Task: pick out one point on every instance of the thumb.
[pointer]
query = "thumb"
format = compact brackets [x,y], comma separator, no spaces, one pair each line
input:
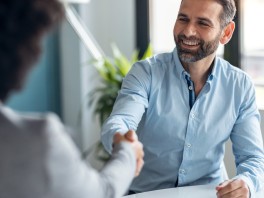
[223,184]
[131,136]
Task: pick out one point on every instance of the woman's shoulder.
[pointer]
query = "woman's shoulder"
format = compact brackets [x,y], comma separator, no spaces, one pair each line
[24,121]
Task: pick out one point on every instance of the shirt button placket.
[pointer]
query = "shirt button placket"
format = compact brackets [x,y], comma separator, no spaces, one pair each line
[182,171]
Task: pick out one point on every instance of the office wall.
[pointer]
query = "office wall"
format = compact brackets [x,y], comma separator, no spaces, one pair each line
[41,92]
[108,21]
[229,158]
[262,121]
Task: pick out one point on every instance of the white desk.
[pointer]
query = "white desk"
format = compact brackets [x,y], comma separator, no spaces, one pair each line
[204,191]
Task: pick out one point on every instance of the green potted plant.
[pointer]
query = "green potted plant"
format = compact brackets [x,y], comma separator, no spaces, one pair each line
[112,71]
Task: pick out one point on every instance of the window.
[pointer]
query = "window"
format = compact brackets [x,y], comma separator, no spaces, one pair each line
[162,16]
[253,44]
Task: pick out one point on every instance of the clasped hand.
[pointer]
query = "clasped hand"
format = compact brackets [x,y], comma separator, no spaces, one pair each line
[131,137]
[233,189]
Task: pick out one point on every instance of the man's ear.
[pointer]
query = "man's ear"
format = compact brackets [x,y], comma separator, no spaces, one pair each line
[227,33]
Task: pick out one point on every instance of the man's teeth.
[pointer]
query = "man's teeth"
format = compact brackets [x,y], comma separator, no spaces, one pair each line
[192,43]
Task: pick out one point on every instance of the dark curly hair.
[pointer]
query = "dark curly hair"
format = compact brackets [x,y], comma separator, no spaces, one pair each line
[22,26]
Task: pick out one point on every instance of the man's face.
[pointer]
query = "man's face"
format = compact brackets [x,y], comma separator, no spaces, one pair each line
[197,29]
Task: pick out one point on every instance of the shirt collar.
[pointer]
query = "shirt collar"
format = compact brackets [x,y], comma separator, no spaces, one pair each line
[213,72]
[181,71]
[179,68]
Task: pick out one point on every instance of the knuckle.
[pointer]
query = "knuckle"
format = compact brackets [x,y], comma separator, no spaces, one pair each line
[245,190]
[233,194]
[232,185]
[245,186]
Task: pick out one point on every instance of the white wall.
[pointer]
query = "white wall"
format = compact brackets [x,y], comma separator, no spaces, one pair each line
[112,21]
[262,121]
[70,79]
[229,158]
[108,21]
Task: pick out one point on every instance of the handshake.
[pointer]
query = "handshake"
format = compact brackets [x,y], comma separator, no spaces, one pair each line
[131,138]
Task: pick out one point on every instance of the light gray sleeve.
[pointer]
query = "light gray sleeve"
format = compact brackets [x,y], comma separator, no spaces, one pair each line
[70,177]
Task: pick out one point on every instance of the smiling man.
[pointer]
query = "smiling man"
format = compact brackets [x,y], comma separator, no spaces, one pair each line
[186,104]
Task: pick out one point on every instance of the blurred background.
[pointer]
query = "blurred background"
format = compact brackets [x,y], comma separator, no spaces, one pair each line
[66,75]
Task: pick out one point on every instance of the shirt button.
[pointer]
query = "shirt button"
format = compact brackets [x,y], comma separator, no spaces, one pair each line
[190,88]
[182,171]
[189,145]
[193,115]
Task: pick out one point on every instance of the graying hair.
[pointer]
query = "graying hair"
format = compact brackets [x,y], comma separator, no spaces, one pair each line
[228,13]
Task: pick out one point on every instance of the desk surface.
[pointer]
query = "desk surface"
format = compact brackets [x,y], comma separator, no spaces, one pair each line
[184,192]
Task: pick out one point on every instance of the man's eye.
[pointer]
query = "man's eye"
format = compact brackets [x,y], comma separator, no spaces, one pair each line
[183,19]
[202,23]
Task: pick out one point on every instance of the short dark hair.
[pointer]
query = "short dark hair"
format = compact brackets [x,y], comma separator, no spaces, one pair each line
[22,26]
[228,13]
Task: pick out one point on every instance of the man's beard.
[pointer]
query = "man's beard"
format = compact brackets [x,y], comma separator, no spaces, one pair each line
[205,48]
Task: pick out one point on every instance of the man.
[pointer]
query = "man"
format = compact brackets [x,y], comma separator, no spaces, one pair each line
[38,159]
[186,104]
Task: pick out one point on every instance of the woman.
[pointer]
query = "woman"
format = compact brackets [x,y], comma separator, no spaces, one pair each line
[38,159]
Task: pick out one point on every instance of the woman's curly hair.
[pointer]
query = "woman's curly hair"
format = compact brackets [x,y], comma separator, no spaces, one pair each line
[22,26]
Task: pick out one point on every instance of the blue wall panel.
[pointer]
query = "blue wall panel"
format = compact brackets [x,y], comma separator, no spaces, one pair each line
[41,92]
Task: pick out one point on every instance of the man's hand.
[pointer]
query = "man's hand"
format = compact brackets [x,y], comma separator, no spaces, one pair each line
[137,146]
[233,189]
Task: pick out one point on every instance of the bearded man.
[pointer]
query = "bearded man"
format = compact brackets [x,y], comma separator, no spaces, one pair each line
[186,104]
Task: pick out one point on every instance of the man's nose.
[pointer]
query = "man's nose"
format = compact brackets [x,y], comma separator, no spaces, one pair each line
[190,30]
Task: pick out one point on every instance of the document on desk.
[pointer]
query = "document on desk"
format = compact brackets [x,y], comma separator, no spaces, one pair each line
[179,192]
[202,191]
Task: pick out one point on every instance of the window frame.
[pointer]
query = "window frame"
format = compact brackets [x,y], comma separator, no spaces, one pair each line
[142,26]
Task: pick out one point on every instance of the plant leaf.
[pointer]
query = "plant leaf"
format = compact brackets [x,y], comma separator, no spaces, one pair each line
[148,53]
[122,63]
[135,56]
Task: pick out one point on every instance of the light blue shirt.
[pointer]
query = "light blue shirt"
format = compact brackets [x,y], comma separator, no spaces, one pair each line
[186,143]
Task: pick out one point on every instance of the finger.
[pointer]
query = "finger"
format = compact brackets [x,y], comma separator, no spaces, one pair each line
[224,184]
[140,161]
[240,192]
[139,152]
[131,135]
[117,138]
[140,164]
[233,189]
[142,151]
